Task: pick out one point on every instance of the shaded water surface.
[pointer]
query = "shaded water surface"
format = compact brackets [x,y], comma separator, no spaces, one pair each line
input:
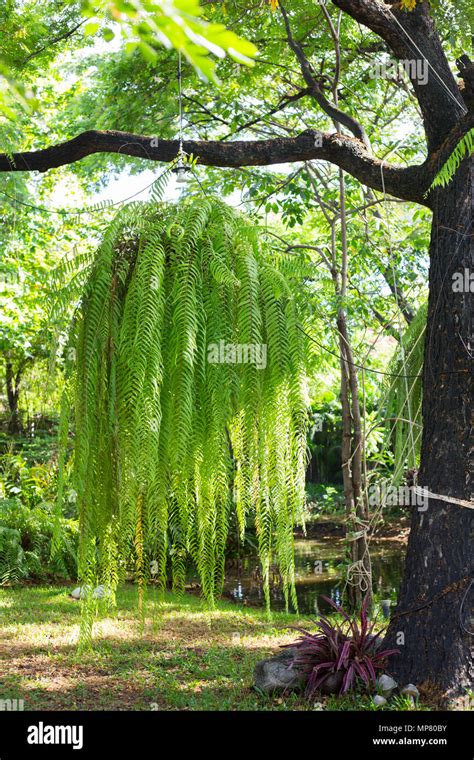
[320,569]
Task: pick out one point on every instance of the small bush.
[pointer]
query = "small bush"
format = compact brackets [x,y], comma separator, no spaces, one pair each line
[339,655]
[25,543]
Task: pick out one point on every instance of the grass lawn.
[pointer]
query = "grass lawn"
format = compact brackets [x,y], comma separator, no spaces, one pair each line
[187,658]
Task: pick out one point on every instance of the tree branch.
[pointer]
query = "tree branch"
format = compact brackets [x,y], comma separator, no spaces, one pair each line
[412,36]
[60,38]
[407,183]
[315,90]
[284,102]
[397,293]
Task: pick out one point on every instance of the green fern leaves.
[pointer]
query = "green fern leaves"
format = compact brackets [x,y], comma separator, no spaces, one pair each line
[464,148]
[404,396]
[189,398]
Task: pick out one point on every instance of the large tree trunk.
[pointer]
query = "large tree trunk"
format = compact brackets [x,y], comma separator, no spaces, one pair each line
[436,650]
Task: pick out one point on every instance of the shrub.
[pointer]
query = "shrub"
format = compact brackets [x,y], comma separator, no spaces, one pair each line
[339,655]
[25,543]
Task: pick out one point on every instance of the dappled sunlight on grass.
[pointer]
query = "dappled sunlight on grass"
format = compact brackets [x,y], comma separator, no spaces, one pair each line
[185,657]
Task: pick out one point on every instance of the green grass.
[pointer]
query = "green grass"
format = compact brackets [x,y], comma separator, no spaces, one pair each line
[185,658]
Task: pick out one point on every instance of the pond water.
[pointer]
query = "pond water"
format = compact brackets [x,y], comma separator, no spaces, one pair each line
[319,572]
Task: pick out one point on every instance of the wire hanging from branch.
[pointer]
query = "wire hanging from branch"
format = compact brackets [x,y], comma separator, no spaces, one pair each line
[182,165]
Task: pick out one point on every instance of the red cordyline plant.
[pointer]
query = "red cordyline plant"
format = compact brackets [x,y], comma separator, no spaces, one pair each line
[339,654]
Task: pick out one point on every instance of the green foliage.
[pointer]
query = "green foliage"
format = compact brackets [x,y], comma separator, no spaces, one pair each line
[28,30]
[404,396]
[21,481]
[13,95]
[464,148]
[324,500]
[168,438]
[178,24]
[31,245]
[26,472]
[25,543]
[408,5]
[34,450]
[28,485]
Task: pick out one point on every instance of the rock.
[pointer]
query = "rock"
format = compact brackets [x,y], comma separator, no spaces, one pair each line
[98,593]
[332,683]
[385,685]
[277,674]
[410,690]
[379,700]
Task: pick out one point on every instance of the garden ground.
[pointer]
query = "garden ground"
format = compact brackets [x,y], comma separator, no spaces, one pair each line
[186,658]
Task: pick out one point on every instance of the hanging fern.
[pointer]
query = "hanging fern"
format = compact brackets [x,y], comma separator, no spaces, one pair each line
[168,438]
[404,396]
[464,148]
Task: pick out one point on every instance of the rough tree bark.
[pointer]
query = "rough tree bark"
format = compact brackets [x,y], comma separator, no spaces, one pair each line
[437,651]
[436,648]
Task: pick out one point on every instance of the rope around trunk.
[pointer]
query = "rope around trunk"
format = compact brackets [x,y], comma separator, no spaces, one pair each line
[420,491]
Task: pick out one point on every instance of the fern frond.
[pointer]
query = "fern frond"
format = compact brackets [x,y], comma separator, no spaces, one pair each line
[188,392]
[404,396]
[464,148]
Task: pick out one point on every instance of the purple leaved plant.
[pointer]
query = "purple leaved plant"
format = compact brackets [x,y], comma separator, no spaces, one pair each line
[339,655]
